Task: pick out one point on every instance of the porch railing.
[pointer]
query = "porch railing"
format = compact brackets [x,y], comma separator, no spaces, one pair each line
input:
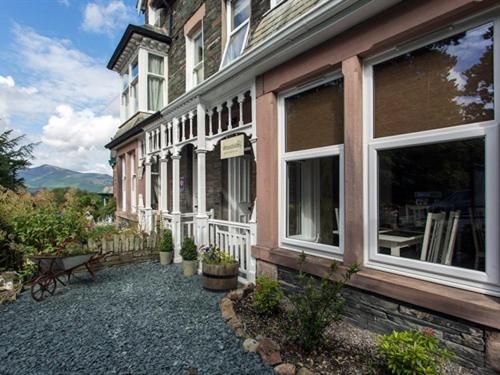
[187,225]
[232,238]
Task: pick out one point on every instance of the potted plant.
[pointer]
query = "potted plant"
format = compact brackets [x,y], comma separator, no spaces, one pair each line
[220,270]
[166,248]
[189,257]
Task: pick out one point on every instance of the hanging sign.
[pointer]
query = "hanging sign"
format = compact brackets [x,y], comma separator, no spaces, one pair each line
[232,147]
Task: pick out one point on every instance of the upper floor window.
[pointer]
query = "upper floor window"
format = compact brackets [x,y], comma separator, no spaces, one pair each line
[134,70]
[194,59]
[156,82]
[238,15]
[276,3]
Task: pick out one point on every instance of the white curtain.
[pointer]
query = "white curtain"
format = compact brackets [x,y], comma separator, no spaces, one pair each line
[155,64]
[155,93]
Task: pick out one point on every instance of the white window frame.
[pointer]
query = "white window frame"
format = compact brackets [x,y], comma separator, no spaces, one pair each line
[484,282]
[133,182]
[124,182]
[275,3]
[162,77]
[312,248]
[191,68]
[230,32]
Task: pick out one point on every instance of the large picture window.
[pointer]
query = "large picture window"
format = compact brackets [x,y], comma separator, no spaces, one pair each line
[312,168]
[433,160]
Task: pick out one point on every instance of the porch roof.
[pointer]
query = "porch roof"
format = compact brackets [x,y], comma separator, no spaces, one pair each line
[132,127]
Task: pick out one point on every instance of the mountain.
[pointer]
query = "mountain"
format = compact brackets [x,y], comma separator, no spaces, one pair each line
[49,176]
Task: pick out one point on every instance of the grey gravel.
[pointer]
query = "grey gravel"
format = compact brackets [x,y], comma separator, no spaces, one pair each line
[135,319]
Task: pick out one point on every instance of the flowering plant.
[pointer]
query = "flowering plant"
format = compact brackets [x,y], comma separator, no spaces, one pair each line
[213,255]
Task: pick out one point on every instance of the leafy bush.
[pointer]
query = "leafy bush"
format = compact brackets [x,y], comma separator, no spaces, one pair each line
[316,305]
[166,243]
[103,231]
[213,255]
[413,353]
[188,250]
[268,294]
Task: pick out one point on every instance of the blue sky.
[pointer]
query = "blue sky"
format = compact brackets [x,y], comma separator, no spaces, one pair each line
[54,85]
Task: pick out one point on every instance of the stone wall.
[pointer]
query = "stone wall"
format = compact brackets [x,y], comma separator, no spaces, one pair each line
[212,35]
[472,344]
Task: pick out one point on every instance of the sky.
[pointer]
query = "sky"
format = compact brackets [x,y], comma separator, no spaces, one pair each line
[54,85]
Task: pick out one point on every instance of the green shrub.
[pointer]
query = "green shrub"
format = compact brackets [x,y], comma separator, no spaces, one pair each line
[166,243]
[316,304]
[103,231]
[214,255]
[188,250]
[268,294]
[413,353]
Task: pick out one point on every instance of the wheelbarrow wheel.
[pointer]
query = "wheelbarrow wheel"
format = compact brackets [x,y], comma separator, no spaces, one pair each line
[42,288]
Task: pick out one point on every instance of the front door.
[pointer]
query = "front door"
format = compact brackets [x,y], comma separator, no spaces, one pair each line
[239,201]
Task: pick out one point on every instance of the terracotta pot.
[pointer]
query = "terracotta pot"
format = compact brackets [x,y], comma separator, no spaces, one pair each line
[190,267]
[220,277]
[166,257]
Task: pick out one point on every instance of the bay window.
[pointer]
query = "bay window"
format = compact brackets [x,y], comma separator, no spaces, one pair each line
[311,168]
[432,171]
[156,82]
[133,183]
[238,15]
[124,183]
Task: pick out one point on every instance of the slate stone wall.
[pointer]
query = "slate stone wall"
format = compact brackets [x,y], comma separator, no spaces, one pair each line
[212,35]
[382,315]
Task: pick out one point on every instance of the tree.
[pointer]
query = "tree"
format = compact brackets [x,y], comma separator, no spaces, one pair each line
[14,157]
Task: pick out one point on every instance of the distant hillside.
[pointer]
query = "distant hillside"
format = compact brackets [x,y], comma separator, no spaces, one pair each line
[49,176]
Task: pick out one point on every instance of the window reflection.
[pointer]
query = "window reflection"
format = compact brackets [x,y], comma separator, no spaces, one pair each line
[443,84]
[313,200]
[431,203]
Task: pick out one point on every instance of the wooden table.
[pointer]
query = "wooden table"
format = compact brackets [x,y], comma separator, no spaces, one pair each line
[395,240]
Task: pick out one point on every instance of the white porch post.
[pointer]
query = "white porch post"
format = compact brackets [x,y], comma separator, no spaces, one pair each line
[201,151]
[163,183]
[147,209]
[252,263]
[176,214]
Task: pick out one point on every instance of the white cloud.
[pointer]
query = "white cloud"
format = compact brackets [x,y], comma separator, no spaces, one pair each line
[64,2]
[64,73]
[106,18]
[76,139]
[7,81]
[68,91]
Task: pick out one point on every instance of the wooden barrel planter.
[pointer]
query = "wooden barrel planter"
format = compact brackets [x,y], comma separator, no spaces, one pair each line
[220,277]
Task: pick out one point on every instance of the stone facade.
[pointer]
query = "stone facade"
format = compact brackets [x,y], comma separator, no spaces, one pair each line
[469,342]
[212,38]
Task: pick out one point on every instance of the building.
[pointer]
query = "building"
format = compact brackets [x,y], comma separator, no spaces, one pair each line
[356,131]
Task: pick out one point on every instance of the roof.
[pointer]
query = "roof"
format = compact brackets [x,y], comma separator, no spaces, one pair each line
[145,30]
[277,18]
[132,127]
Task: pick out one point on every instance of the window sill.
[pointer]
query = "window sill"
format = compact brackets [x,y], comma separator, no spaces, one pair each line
[474,307]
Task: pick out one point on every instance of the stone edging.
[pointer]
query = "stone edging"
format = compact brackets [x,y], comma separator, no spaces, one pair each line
[268,349]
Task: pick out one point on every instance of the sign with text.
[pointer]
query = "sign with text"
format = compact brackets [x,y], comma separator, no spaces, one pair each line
[232,147]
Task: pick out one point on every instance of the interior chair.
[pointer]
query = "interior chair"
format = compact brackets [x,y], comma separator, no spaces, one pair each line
[435,248]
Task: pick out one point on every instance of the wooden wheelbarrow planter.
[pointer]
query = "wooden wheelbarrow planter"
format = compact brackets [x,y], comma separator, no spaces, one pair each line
[52,267]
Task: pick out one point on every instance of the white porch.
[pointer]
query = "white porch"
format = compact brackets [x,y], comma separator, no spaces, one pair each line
[190,189]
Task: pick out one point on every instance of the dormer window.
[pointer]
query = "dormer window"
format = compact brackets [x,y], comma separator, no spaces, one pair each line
[156,82]
[238,14]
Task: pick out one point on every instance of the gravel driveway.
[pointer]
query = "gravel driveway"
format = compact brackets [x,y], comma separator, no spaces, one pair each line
[136,319]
